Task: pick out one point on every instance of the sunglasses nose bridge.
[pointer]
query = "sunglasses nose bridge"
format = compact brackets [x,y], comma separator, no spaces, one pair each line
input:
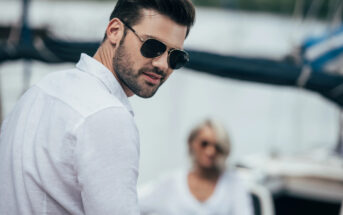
[161,61]
[210,150]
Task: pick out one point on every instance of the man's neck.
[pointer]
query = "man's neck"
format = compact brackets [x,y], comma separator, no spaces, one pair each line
[105,55]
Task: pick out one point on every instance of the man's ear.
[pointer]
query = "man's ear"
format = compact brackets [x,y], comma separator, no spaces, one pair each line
[115,31]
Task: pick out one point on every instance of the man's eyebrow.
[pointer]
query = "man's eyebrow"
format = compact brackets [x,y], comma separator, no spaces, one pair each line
[147,36]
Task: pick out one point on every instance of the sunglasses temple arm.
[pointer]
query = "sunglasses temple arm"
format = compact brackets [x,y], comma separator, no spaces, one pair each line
[133,30]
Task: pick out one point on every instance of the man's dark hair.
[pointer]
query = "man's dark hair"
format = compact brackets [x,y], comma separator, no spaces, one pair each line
[130,11]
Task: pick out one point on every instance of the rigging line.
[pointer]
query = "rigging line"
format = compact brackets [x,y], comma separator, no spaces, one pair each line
[298,20]
[15,32]
[310,15]
[333,5]
[1,102]
[298,9]
[339,146]
[17,29]
[298,13]
[304,76]
[337,91]
[314,9]
[27,74]
[337,16]
[44,51]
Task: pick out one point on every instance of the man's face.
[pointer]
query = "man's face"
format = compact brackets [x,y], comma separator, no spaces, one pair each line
[140,75]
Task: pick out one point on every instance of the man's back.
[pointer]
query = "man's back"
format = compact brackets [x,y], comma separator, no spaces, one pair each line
[50,142]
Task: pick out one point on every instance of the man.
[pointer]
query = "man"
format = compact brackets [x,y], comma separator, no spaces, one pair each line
[70,146]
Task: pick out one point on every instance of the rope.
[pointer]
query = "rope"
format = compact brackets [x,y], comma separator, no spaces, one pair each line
[304,76]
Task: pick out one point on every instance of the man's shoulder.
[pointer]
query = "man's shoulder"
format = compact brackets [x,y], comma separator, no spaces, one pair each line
[79,90]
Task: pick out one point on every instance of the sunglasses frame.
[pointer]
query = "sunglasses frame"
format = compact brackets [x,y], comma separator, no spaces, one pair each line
[205,144]
[170,51]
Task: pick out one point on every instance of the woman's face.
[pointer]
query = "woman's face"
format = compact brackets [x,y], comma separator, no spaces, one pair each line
[205,149]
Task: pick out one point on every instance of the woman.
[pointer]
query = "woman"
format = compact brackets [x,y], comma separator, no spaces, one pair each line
[207,188]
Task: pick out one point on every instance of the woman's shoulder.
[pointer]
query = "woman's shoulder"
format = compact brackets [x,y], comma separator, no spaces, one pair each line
[232,179]
[230,175]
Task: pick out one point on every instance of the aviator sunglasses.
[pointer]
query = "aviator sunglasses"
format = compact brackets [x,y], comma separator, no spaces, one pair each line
[205,143]
[152,48]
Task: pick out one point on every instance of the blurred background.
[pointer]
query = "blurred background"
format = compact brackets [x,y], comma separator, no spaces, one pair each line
[271,71]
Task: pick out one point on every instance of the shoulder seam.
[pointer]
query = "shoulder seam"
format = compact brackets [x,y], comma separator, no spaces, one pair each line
[81,114]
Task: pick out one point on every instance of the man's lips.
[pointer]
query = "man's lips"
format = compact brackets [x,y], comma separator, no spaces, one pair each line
[152,77]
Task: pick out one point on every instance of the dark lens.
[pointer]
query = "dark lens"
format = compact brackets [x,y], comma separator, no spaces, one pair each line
[204,143]
[152,48]
[177,59]
[219,149]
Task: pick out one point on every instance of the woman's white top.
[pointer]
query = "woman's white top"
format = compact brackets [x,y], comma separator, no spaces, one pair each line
[170,195]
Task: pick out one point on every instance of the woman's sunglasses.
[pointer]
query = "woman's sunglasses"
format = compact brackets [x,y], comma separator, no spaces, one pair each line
[152,48]
[205,143]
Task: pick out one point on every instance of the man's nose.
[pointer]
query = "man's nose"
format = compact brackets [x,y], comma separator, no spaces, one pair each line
[161,62]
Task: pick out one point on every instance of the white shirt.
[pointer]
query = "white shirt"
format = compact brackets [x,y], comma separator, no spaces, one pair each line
[170,195]
[70,146]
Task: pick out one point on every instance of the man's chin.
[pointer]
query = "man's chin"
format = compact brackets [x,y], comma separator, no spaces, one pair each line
[147,91]
[146,94]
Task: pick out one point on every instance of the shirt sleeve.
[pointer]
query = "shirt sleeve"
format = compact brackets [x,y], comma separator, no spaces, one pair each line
[106,157]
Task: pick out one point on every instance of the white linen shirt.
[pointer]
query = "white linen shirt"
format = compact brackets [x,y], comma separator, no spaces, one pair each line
[70,146]
[170,195]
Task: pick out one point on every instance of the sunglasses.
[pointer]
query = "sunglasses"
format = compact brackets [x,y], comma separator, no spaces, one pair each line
[205,143]
[152,48]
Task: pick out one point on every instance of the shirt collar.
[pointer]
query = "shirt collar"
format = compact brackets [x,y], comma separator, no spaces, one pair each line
[104,75]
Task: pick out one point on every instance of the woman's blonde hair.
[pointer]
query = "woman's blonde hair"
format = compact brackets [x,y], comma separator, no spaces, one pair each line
[220,131]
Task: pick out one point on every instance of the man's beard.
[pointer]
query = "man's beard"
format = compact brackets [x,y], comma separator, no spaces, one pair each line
[122,65]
